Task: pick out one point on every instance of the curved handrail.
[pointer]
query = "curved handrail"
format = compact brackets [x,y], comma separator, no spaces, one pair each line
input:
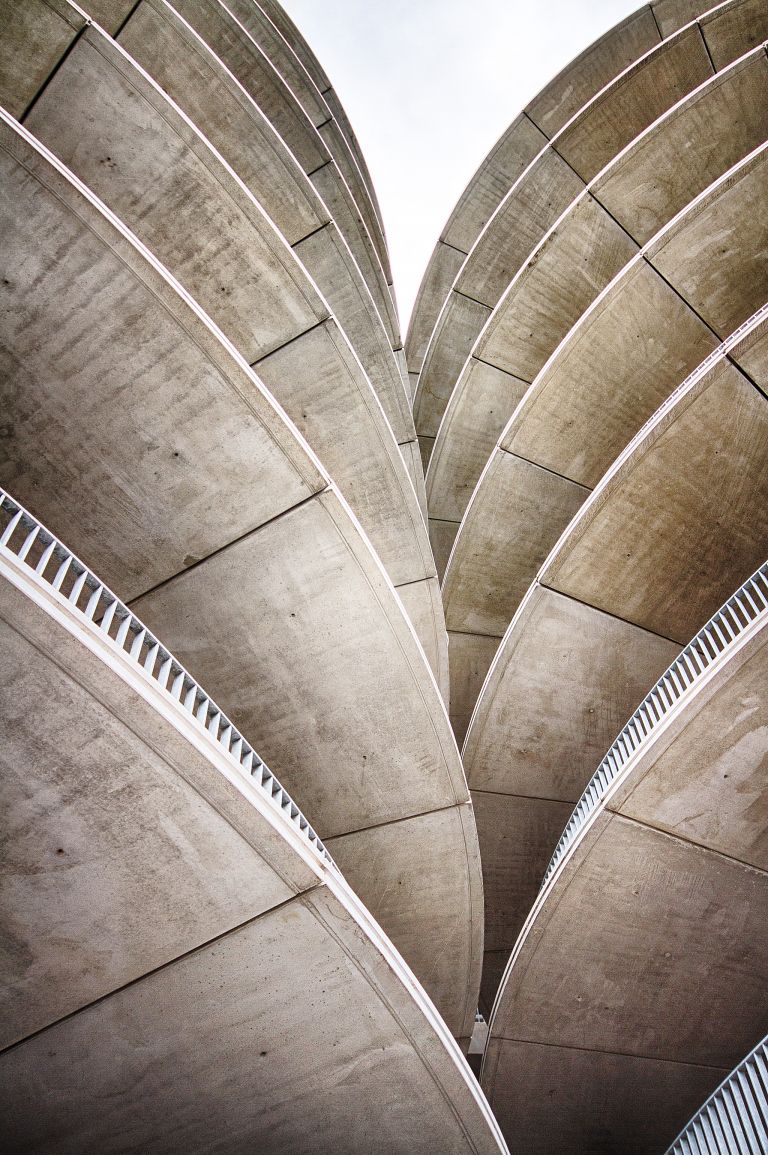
[25,538]
[742,610]
[735,1116]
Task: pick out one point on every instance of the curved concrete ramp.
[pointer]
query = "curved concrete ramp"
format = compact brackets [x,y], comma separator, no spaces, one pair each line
[558,174]
[675,160]
[680,519]
[694,283]
[143,437]
[190,967]
[640,977]
[121,135]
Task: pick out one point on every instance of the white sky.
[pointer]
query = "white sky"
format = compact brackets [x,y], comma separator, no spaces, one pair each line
[430,85]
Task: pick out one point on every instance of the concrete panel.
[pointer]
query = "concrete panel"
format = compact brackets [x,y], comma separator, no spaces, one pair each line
[516,839]
[412,458]
[594,1101]
[289,1004]
[330,186]
[91,115]
[562,277]
[675,962]
[253,70]
[457,326]
[241,273]
[479,408]
[320,385]
[494,964]
[592,70]
[114,864]
[566,679]
[440,274]
[343,695]
[425,448]
[625,108]
[417,899]
[631,349]
[708,784]
[712,130]
[672,15]
[424,608]
[697,485]
[442,535]
[532,206]
[506,161]
[135,430]
[331,265]
[36,35]
[733,29]
[718,258]
[643,189]
[194,78]
[470,659]
[497,555]
[751,354]
[186,69]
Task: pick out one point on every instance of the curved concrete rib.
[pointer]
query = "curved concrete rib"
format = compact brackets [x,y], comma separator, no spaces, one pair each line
[220,27]
[528,133]
[121,135]
[692,285]
[144,438]
[195,79]
[673,161]
[678,520]
[640,977]
[167,859]
[735,1117]
[293,36]
[558,174]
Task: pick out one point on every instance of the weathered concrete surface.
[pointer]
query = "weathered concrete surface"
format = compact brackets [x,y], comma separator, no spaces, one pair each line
[288,29]
[179,60]
[141,866]
[604,126]
[609,122]
[239,269]
[232,44]
[651,947]
[527,135]
[642,190]
[424,607]
[677,524]
[148,480]
[472,655]
[298,81]
[488,576]
[595,1102]
[629,351]
[565,680]
[704,470]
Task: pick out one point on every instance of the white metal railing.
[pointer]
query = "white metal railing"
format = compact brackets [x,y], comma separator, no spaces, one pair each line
[31,543]
[746,606]
[734,1119]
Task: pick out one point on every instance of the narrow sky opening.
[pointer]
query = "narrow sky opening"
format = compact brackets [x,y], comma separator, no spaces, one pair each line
[430,85]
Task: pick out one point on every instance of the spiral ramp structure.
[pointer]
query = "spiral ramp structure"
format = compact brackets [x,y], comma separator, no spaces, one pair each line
[263,566]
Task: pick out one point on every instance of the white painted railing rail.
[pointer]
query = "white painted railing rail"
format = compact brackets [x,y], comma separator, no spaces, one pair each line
[31,543]
[734,1119]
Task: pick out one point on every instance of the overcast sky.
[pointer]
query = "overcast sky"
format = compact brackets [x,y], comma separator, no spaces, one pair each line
[430,85]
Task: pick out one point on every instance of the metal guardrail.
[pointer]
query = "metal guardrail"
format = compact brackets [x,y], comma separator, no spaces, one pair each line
[31,543]
[734,1119]
[746,606]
